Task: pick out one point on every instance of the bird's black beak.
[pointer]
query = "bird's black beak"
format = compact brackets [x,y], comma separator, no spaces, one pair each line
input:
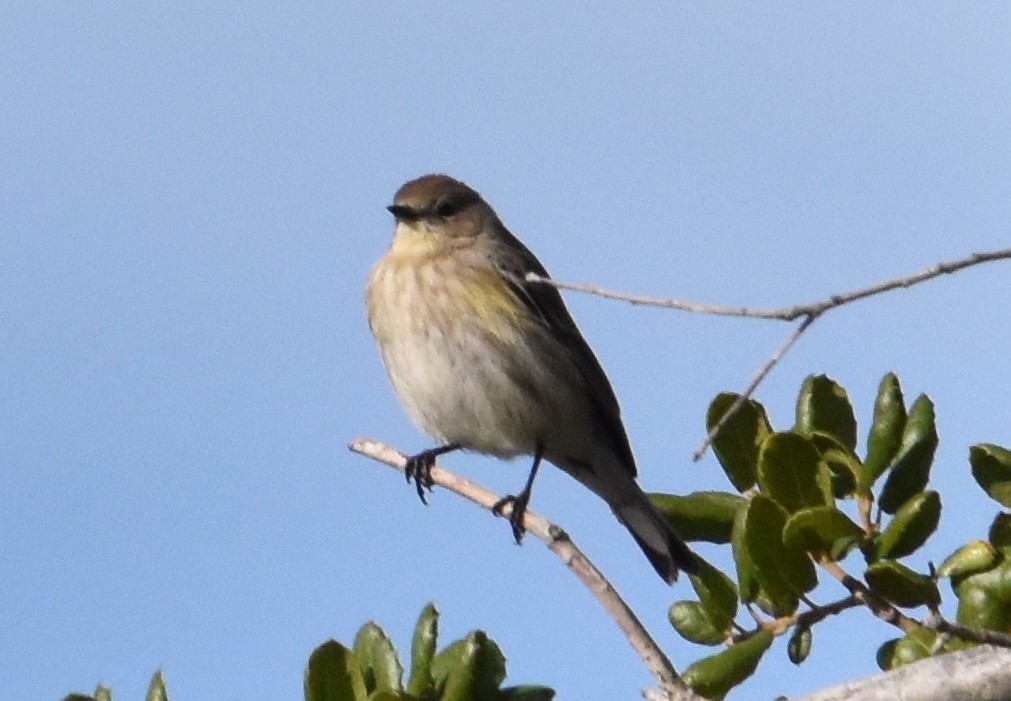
[402,213]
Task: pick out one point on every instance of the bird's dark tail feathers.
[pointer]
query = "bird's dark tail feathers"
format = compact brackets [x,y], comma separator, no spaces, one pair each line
[651,530]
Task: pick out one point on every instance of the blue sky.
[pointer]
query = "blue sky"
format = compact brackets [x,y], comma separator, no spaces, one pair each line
[192,197]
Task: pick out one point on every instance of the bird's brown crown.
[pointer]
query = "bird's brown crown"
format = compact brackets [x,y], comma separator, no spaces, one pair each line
[433,196]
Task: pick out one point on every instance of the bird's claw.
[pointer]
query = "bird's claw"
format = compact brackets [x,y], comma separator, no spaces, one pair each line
[419,468]
[518,508]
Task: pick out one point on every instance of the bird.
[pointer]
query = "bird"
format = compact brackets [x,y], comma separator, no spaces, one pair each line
[485,361]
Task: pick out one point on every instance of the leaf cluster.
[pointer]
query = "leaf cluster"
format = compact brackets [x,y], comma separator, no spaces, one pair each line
[805,497]
[470,669]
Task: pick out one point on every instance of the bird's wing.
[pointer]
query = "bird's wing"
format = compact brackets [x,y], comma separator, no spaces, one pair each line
[514,261]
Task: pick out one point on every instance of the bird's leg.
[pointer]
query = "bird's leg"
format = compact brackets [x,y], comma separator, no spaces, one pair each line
[520,501]
[419,467]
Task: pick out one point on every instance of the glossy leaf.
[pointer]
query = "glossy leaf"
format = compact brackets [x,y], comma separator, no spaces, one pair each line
[976,556]
[791,472]
[378,659]
[333,674]
[913,646]
[799,646]
[900,585]
[981,606]
[887,426]
[911,526]
[717,594]
[712,677]
[911,469]
[783,573]
[690,621]
[526,693]
[842,462]
[156,690]
[423,651]
[991,467]
[747,580]
[706,516]
[823,406]
[1000,533]
[472,668]
[886,654]
[817,529]
[738,442]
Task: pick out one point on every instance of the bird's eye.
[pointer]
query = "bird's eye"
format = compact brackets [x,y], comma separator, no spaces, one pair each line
[445,209]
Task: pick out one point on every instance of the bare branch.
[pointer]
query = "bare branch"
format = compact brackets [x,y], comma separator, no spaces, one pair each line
[878,606]
[752,386]
[787,313]
[558,541]
[936,622]
[809,312]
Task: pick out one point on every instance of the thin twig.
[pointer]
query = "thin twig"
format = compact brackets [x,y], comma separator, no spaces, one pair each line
[752,386]
[558,541]
[786,313]
[878,606]
[809,312]
[935,621]
[815,614]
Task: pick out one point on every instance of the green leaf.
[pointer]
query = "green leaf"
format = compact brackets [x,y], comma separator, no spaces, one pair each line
[690,621]
[378,659]
[900,585]
[526,693]
[915,645]
[912,525]
[885,435]
[156,689]
[975,556]
[1000,533]
[886,654]
[387,695]
[712,677]
[791,472]
[103,693]
[981,606]
[747,579]
[423,651]
[470,669]
[738,442]
[911,469]
[783,573]
[824,406]
[717,595]
[333,674]
[817,529]
[991,467]
[707,516]
[842,462]
[799,646]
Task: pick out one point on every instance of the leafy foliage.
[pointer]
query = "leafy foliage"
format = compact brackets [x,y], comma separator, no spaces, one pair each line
[805,497]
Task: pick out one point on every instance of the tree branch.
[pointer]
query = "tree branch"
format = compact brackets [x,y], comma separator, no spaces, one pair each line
[558,541]
[808,312]
[786,313]
[979,674]
[878,606]
[935,621]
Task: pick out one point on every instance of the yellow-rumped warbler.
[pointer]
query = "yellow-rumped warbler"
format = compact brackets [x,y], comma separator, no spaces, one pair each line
[483,360]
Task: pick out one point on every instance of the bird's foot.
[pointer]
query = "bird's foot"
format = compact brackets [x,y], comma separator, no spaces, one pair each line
[518,508]
[419,468]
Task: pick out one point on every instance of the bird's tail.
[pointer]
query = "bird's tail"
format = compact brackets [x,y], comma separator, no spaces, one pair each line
[662,546]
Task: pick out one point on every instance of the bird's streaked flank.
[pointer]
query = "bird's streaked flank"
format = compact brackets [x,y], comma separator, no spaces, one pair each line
[484,361]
